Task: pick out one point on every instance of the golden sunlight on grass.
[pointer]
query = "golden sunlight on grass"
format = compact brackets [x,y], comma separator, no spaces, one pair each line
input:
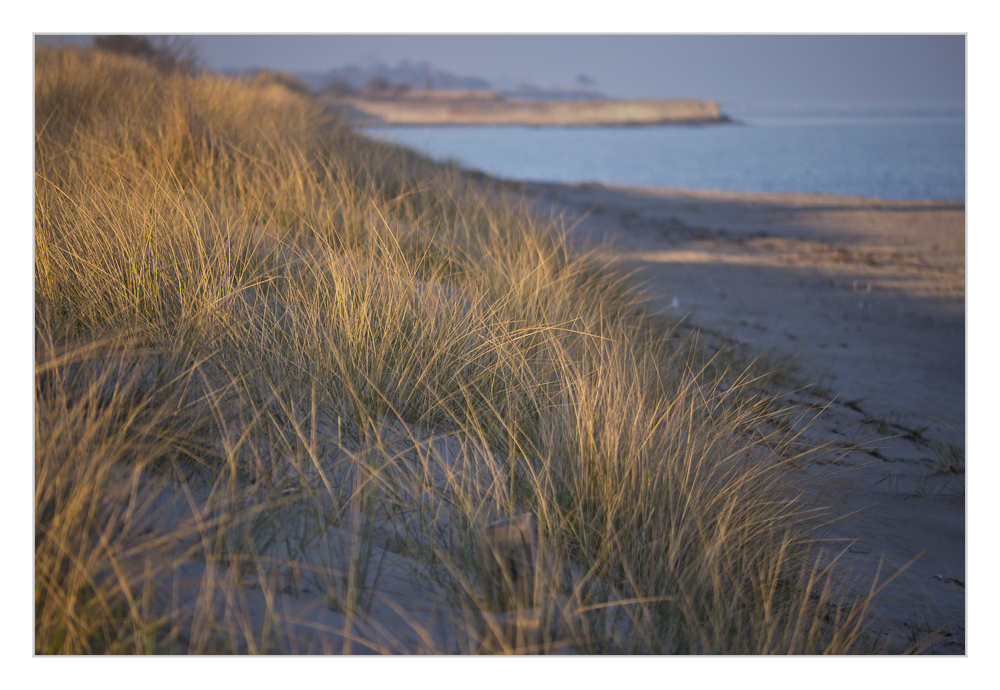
[284,376]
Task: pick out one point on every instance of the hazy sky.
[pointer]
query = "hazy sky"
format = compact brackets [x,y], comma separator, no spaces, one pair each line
[735,70]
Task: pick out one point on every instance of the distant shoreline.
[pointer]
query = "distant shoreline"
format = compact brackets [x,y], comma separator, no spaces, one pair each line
[723,120]
[487,108]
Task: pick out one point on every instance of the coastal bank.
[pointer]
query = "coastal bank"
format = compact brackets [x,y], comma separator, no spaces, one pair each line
[428,107]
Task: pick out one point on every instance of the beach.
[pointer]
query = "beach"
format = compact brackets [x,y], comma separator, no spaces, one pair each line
[867,298]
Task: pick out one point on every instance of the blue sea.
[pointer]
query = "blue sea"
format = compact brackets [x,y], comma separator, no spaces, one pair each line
[889,154]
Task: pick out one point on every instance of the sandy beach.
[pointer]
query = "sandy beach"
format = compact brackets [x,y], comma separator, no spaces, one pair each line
[868,298]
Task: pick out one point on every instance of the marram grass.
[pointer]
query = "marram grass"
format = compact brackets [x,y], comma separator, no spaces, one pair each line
[283,373]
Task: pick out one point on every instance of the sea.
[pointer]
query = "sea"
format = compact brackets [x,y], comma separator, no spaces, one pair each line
[908,154]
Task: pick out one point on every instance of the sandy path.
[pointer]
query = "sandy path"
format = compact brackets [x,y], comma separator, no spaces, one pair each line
[869,296]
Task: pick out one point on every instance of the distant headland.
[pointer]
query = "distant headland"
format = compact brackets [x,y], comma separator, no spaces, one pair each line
[417,95]
[485,107]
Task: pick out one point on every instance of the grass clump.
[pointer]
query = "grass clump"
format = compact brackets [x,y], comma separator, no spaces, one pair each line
[284,373]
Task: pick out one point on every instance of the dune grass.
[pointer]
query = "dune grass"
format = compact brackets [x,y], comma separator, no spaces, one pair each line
[285,373]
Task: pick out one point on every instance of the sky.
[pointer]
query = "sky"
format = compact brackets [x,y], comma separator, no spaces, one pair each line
[788,70]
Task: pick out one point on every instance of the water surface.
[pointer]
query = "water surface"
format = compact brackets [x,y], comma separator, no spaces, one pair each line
[890,155]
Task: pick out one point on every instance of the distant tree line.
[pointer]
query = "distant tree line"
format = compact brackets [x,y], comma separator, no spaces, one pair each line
[374,87]
[375,79]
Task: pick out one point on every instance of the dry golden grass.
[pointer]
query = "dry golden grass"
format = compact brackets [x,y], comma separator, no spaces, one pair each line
[283,373]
